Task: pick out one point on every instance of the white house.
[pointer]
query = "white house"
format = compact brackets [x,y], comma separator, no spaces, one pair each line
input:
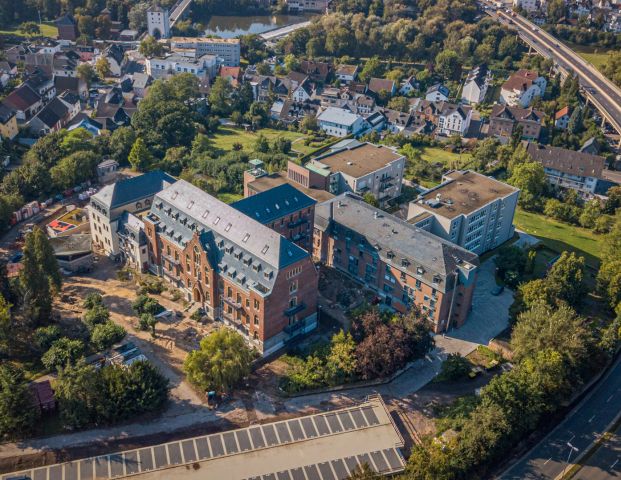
[205,66]
[346,73]
[476,85]
[527,5]
[339,122]
[521,88]
[454,119]
[437,93]
[303,92]
[561,118]
[408,85]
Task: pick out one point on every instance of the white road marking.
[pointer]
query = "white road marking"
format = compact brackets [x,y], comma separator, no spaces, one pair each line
[591,419]
[547,460]
[610,398]
[613,465]
[572,437]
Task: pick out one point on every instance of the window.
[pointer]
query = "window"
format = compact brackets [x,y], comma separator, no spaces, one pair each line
[256,320]
[229,292]
[256,304]
[293,302]
[247,303]
[293,286]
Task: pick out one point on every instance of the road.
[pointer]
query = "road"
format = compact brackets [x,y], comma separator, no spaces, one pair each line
[601,91]
[588,421]
[605,463]
[284,31]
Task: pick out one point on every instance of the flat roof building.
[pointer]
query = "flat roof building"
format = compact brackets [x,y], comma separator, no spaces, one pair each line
[469,209]
[228,49]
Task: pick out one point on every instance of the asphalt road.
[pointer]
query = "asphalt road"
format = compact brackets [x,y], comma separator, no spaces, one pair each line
[605,463]
[601,90]
[580,429]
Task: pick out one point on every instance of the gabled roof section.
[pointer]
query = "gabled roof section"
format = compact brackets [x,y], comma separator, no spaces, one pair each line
[133,189]
[275,203]
[234,227]
[22,98]
[53,112]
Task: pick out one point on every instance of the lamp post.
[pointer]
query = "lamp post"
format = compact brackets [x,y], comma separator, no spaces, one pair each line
[571,450]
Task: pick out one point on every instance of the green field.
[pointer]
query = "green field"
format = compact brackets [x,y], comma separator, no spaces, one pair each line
[560,236]
[227,136]
[229,197]
[446,158]
[597,56]
[48,29]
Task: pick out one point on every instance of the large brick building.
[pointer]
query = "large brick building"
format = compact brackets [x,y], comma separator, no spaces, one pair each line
[238,270]
[284,209]
[402,263]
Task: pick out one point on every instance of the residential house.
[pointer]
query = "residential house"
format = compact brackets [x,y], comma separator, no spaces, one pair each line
[291,112]
[408,86]
[561,118]
[141,83]
[107,207]
[284,209]
[396,121]
[476,85]
[8,122]
[568,169]
[504,120]
[521,88]
[469,209]
[453,119]
[303,92]
[51,118]
[437,93]
[238,270]
[359,168]
[527,5]
[405,265]
[377,85]
[75,85]
[8,71]
[67,28]
[42,84]
[204,66]
[24,101]
[346,73]
[339,122]
[115,55]
[316,71]
[231,74]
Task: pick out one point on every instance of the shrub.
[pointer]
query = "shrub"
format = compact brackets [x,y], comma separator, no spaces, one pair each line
[62,352]
[107,334]
[97,315]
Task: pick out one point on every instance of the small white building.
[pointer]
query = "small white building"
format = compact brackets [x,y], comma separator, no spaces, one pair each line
[205,66]
[454,119]
[158,22]
[527,5]
[476,85]
[339,122]
[346,73]
[437,93]
[522,88]
[409,85]
[561,118]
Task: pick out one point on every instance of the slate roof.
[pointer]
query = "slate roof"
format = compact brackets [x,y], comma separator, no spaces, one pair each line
[265,207]
[389,234]
[478,75]
[567,161]
[516,113]
[53,113]
[132,189]
[438,87]
[6,113]
[22,98]
[339,116]
[67,83]
[230,237]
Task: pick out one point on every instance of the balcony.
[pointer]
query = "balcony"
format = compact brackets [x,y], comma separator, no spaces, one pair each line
[232,303]
[296,328]
[295,309]
[298,222]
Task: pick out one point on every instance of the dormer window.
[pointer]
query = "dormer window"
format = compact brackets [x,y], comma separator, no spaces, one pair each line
[405,262]
[420,270]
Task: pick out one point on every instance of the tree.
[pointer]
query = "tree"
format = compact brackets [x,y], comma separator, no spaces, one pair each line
[401,104]
[222,360]
[566,281]
[102,67]
[77,392]
[530,178]
[104,335]
[44,337]
[92,300]
[309,124]
[150,47]
[341,361]
[590,214]
[148,322]
[575,121]
[40,277]
[447,64]
[556,10]
[146,304]
[510,264]
[455,367]
[485,152]
[86,72]
[6,324]
[74,169]
[30,29]
[97,315]
[137,16]
[292,64]
[261,144]
[140,157]
[17,413]
[372,69]
[370,199]
[121,143]
[609,275]
[556,329]
[63,351]
[220,96]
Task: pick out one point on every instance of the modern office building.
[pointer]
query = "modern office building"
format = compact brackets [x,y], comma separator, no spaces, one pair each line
[228,49]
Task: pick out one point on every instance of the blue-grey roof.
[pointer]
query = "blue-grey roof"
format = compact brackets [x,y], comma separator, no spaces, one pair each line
[277,202]
[133,189]
[236,243]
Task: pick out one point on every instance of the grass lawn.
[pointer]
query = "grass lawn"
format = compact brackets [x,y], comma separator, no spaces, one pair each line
[446,158]
[229,197]
[227,136]
[48,29]
[596,56]
[559,236]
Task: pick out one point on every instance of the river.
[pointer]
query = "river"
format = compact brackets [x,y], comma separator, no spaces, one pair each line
[229,26]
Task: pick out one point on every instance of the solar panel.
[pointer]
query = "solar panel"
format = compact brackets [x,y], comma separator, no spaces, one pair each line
[296,430]
[159,453]
[270,435]
[244,440]
[174,453]
[271,476]
[339,468]
[311,472]
[322,426]
[326,471]
[131,462]
[283,476]
[146,459]
[257,437]
[333,421]
[283,432]
[298,474]
[364,458]
[55,472]
[359,419]
[72,470]
[189,453]
[378,458]
[215,441]
[352,463]
[203,448]
[229,442]
[116,465]
[309,427]
[394,459]
[101,468]
[346,420]
[370,416]
[41,474]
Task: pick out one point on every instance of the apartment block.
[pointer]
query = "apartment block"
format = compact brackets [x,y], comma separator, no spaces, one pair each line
[469,209]
[404,264]
[204,66]
[284,209]
[228,49]
[238,270]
